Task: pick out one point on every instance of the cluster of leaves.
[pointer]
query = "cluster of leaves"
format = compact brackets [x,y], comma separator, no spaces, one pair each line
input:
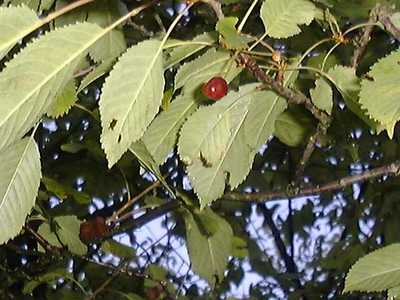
[217,142]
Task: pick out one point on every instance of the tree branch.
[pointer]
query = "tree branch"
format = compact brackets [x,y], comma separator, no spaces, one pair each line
[292,96]
[392,169]
[287,259]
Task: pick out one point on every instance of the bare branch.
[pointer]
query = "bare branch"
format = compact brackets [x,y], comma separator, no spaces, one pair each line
[392,169]
[291,95]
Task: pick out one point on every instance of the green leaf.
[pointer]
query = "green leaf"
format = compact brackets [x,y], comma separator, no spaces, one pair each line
[98,72]
[322,95]
[292,127]
[131,97]
[48,64]
[15,23]
[118,249]
[64,101]
[282,17]
[147,161]
[79,14]
[394,293]
[62,191]
[162,134]
[104,13]
[348,84]
[209,254]
[19,183]
[230,37]
[45,278]
[69,234]
[223,139]
[179,53]
[377,271]
[50,236]
[382,84]
[194,73]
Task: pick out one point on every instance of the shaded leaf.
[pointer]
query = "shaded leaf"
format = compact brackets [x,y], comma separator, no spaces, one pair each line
[292,128]
[69,234]
[147,161]
[98,72]
[118,249]
[209,253]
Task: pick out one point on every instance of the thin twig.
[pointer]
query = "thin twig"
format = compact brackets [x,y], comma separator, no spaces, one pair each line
[102,286]
[392,169]
[40,239]
[130,202]
[216,6]
[383,16]
[308,151]
[363,40]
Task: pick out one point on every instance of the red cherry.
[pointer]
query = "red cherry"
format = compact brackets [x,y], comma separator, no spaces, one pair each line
[93,229]
[215,88]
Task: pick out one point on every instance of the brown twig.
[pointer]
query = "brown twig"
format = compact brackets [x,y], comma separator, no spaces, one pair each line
[308,151]
[292,96]
[383,16]
[42,241]
[130,202]
[392,169]
[363,40]
[216,6]
[102,286]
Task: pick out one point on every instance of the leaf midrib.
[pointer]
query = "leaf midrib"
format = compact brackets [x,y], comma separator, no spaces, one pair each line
[55,72]
[22,157]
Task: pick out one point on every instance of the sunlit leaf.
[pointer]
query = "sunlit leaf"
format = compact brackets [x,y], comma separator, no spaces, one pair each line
[179,53]
[230,37]
[194,73]
[64,101]
[131,97]
[15,23]
[104,13]
[211,154]
[282,17]
[322,95]
[382,84]
[377,271]
[19,184]
[36,76]
[161,136]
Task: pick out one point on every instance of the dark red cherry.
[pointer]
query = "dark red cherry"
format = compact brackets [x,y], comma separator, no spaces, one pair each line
[215,88]
[93,229]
